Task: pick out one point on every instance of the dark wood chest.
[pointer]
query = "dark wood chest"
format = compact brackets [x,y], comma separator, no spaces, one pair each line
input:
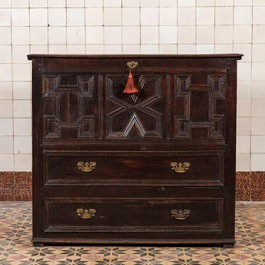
[152,167]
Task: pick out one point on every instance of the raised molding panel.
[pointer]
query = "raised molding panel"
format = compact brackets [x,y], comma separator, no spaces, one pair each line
[69,105]
[199,109]
[136,115]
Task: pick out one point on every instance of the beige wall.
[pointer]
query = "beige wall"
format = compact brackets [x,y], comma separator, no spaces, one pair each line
[130,26]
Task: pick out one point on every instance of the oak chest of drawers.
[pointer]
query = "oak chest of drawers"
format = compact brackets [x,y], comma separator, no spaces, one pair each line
[153,167]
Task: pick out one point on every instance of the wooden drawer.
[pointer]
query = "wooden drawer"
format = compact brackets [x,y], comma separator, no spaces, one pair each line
[112,168]
[195,216]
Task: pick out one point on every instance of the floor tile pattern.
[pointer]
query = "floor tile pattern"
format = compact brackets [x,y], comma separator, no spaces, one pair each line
[17,249]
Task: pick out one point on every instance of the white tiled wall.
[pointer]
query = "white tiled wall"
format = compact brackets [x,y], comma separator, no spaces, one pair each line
[130,26]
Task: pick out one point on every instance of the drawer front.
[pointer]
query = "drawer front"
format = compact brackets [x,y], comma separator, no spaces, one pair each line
[183,168]
[141,216]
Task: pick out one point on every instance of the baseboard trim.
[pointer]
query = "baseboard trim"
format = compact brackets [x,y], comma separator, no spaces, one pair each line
[16,186]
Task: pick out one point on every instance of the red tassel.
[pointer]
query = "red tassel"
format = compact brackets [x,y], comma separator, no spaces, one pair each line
[130,87]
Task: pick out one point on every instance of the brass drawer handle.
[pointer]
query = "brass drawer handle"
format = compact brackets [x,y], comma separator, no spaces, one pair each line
[85,213]
[86,167]
[180,215]
[180,167]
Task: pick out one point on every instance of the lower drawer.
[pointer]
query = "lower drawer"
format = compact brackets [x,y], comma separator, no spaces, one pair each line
[134,215]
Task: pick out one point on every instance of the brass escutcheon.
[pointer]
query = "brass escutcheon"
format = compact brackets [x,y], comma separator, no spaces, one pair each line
[180,215]
[86,167]
[86,213]
[132,64]
[179,167]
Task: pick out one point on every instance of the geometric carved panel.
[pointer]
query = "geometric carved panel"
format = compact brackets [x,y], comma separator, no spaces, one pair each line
[69,106]
[135,116]
[199,106]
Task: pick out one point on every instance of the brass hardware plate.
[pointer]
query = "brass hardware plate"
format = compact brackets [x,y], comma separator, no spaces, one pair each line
[86,213]
[86,166]
[180,215]
[132,64]
[180,167]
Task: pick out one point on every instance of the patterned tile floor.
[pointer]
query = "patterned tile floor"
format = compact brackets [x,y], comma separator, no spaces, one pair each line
[16,247]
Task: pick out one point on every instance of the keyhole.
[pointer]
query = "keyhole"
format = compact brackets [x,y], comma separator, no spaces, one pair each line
[85,87]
